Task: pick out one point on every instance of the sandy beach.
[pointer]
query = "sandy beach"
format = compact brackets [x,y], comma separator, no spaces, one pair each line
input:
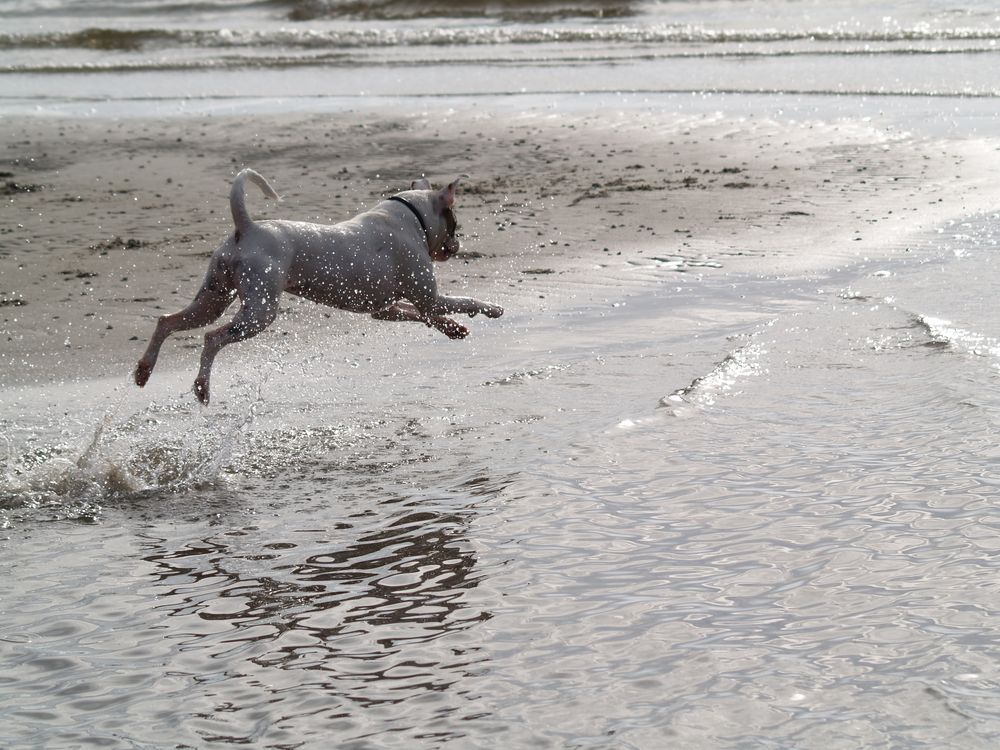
[108,223]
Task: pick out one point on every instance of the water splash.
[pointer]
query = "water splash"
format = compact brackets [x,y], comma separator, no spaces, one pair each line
[162,448]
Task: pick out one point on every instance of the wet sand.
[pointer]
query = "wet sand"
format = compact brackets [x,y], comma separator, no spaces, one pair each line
[107,224]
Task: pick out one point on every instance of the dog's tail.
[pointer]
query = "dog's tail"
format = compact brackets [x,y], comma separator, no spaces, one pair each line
[237,197]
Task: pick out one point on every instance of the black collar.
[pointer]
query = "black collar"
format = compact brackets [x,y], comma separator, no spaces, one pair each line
[415,212]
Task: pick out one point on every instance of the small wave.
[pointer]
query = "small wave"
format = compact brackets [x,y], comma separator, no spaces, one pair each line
[724,378]
[130,40]
[344,57]
[944,333]
[509,10]
[524,375]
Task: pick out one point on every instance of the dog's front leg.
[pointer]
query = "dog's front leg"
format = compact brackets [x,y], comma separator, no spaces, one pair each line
[442,305]
[405,312]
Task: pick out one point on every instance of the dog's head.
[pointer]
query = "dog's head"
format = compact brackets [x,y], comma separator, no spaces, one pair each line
[442,206]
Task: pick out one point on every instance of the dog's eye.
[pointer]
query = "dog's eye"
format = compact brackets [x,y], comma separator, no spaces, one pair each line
[449,217]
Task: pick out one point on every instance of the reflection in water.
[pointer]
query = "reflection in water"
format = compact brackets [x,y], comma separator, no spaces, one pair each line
[353,618]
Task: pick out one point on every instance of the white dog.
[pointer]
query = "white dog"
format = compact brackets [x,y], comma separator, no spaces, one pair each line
[367,264]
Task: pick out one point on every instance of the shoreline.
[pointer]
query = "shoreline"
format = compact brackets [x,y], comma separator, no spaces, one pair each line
[109,223]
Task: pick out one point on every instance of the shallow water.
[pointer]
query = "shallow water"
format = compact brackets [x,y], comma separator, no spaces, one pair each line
[777,532]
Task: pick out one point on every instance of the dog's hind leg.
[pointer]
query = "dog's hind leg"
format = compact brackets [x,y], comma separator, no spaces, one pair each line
[259,293]
[207,307]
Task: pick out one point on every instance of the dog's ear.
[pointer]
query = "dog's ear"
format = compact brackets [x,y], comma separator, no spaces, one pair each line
[448,193]
[422,184]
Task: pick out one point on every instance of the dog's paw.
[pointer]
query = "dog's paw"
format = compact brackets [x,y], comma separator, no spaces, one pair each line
[492,311]
[142,372]
[201,390]
[450,328]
